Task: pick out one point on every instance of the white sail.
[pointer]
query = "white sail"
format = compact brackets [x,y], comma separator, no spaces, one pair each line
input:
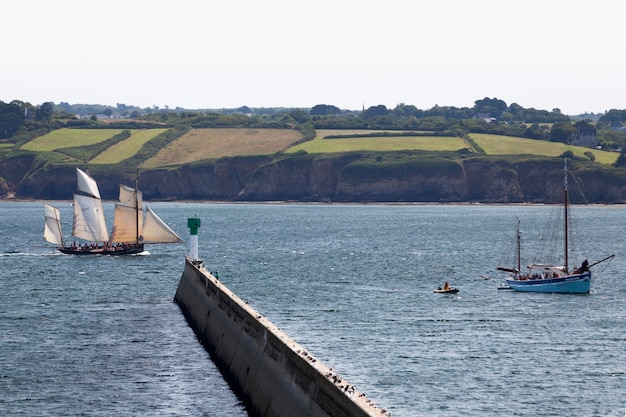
[130,196]
[87,185]
[128,217]
[156,231]
[127,225]
[52,227]
[89,223]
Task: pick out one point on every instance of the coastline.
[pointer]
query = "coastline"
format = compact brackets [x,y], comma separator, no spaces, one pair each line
[326,203]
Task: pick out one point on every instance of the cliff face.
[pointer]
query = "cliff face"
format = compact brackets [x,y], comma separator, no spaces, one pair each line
[439,181]
[222,180]
[12,171]
[339,178]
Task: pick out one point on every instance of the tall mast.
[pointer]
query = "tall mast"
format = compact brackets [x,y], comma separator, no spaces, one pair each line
[565,215]
[137,209]
[519,249]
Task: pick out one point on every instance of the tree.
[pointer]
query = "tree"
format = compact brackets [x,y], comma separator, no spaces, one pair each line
[11,119]
[404,110]
[493,106]
[535,131]
[44,112]
[300,116]
[614,117]
[517,111]
[380,110]
[562,132]
[584,124]
[621,160]
[324,110]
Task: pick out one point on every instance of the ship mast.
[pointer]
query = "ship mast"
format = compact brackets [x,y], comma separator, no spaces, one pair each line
[138,210]
[565,215]
[519,249]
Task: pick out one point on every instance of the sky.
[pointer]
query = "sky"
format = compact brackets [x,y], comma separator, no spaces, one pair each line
[207,54]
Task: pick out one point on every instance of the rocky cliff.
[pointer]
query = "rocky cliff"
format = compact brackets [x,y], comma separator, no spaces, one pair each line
[350,177]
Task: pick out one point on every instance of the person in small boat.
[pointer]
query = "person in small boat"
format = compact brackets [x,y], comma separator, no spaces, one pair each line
[446,286]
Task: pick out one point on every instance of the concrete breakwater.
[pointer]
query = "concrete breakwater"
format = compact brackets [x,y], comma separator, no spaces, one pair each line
[269,371]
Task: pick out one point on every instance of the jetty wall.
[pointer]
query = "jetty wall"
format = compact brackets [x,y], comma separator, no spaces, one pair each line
[272,374]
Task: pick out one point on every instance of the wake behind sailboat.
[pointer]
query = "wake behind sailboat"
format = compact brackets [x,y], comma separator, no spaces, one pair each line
[130,231]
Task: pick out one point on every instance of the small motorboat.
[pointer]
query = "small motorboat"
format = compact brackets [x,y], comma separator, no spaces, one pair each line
[446,291]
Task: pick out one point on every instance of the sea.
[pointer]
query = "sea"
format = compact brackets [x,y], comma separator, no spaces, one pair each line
[352,283]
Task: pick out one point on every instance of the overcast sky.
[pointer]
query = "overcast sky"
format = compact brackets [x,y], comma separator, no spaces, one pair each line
[287,53]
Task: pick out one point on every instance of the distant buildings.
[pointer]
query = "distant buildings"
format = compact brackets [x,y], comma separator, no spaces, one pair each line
[587,137]
[485,116]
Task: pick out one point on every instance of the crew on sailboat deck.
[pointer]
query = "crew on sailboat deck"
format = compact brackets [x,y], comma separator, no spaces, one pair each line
[583,268]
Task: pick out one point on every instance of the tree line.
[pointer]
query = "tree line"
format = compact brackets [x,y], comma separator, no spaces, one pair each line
[488,115]
[15,115]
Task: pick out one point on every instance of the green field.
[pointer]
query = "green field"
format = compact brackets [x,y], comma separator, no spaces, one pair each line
[506,145]
[67,138]
[215,143]
[377,143]
[126,148]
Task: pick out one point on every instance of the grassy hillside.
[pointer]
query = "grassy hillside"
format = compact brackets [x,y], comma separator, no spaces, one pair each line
[97,146]
[68,138]
[323,144]
[490,144]
[143,146]
[127,148]
[506,145]
[199,144]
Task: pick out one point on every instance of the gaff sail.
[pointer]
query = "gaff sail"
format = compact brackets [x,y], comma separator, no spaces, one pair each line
[89,223]
[126,224]
[52,226]
[130,196]
[86,184]
[128,217]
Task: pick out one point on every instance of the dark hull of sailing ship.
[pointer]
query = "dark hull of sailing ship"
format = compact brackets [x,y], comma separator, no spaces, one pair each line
[117,249]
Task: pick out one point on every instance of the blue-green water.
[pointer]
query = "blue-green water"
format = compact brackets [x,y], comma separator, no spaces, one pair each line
[351,283]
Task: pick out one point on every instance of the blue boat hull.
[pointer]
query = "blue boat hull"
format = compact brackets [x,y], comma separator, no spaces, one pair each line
[571,284]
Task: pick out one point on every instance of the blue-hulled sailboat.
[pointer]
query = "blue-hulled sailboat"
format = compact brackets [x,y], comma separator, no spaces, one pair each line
[552,278]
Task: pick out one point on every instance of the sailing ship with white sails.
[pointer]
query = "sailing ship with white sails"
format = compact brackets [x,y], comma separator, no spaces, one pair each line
[130,230]
[549,278]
